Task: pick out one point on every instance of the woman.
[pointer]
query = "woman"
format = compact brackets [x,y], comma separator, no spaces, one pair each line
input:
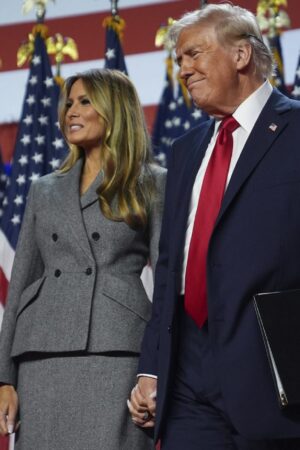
[77,308]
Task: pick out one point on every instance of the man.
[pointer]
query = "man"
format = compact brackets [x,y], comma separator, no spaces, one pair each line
[231,229]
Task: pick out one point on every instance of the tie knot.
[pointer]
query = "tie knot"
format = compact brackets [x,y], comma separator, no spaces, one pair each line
[229,124]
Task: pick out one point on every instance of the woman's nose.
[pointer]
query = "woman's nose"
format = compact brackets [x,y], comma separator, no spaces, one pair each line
[73,111]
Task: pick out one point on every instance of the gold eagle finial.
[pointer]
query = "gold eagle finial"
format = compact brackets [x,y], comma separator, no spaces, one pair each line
[271,16]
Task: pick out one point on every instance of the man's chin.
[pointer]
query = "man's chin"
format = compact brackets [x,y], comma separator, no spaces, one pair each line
[198,102]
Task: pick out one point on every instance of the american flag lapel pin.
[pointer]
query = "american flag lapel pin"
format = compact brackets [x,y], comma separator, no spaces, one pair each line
[273,127]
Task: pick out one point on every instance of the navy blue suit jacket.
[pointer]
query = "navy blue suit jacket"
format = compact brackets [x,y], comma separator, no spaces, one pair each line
[255,247]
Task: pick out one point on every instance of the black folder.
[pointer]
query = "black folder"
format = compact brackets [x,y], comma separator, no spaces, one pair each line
[278,315]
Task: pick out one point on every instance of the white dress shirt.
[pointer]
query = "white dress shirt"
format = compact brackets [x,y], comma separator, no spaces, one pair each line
[246,115]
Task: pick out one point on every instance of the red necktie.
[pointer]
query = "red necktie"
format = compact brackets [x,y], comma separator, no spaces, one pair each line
[209,204]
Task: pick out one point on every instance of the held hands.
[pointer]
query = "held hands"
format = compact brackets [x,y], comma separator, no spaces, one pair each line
[8,409]
[142,403]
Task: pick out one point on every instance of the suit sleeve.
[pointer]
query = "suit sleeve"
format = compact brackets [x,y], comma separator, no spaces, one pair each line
[27,268]
[149,350]
[156,216]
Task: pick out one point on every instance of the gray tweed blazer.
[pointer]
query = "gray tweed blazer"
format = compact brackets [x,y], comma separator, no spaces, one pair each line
[75,282]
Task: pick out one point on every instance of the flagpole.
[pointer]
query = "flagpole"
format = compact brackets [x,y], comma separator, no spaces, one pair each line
[40,12]
[40,7]
[114,7]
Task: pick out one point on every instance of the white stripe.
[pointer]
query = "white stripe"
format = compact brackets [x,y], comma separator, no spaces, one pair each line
[6,255]
[147,280]
[12,12]
[146,70]
[1,314]
[11,442]
[290,43]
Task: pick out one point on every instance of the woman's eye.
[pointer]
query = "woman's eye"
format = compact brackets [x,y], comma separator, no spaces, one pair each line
[68,105]
[85,101]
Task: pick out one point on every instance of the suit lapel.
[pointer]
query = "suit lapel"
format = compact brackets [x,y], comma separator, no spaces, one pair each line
[67,197]
[195,151]
[91,196]
[268,127]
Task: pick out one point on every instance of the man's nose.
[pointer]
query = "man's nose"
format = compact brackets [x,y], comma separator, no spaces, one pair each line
[185,70]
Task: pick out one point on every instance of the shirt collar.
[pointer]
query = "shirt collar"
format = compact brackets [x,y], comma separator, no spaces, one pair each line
[248,111]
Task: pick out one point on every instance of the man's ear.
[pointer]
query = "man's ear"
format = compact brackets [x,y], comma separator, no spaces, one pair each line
[243,55]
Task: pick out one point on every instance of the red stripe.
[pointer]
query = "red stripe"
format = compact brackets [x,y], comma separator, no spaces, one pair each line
[89,34]
[150,113]
[87,30]
[3,289]
[4,443]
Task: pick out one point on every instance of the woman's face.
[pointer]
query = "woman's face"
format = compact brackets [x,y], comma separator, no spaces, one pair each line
[83,125]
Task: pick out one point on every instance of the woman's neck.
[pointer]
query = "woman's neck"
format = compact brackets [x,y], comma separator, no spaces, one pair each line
[90,170]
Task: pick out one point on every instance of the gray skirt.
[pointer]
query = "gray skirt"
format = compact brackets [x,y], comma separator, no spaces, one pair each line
[78,403]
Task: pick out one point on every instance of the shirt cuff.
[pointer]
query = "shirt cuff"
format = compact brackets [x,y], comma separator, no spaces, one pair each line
[146,375]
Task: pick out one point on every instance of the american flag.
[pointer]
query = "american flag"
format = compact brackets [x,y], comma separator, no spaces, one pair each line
[175,116]
[114,56]
[278,76]
[83,22]
[296,90]
[39,150]
[3,178]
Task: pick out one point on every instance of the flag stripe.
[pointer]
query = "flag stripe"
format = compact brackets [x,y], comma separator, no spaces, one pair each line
[7,256]
[146,71]
[13,83]
[87,30]
[3,292]
[89,34]
[145,62]
[1,305]
[13,15]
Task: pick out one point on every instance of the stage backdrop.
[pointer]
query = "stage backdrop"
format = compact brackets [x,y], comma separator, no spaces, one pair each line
[82,20]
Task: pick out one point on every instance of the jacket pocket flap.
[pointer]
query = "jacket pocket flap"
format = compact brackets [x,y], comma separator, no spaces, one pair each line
[30,294]
[129,293]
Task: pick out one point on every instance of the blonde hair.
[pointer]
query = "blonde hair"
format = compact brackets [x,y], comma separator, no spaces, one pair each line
[128,185]
[231,24]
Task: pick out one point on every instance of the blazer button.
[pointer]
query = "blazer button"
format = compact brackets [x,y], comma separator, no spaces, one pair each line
[169,329]
[57,273]
[96,236]
[89,271]
[54,237]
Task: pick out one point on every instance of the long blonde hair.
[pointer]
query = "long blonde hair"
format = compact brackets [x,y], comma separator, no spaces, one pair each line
[128,185]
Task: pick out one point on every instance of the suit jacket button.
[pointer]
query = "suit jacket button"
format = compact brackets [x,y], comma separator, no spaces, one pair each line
[54,237]
[89,271]
[57,273]
[96,236]
[169,329]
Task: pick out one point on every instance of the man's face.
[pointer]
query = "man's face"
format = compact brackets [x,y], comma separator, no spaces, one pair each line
[208,69]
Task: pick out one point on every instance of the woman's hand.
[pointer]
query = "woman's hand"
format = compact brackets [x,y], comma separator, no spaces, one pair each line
[142,403]
[8,409]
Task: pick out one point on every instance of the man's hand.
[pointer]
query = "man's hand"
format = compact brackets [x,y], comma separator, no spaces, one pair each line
[8,409]
[142,403]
